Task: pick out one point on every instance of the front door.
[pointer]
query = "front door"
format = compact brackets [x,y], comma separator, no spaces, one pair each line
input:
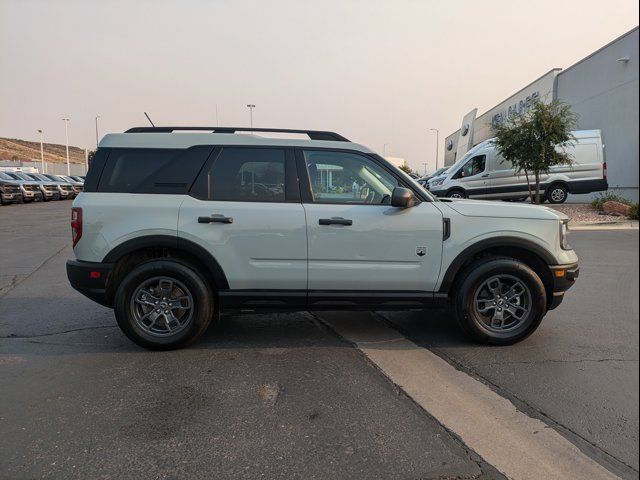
[474,177]
[356,240]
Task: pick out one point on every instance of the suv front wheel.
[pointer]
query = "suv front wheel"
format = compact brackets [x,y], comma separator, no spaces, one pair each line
[499,301]
[163,305]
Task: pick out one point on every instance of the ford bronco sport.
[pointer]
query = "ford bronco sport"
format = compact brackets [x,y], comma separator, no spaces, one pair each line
[175,227]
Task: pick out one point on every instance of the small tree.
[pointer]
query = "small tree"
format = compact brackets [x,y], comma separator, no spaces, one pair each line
[536,140]
[406,168]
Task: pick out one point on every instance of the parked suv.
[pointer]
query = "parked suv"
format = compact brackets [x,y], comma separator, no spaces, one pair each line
[48,190]
[29,189]
[173,228]
[10,191]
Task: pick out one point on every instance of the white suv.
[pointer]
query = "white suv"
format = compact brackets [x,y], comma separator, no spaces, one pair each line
[174,227]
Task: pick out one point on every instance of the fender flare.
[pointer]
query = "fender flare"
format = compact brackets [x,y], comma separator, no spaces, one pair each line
[169,241]
[456,265]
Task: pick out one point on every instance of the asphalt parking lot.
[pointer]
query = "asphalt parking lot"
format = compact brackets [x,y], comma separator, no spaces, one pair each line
[282,395]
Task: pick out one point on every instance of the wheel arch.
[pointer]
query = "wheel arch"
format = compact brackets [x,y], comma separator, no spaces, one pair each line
[528,252]
[132,252]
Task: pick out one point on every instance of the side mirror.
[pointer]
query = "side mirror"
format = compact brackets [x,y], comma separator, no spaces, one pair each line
[402,198]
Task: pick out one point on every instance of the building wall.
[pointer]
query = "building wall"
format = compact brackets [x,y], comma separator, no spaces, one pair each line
[541,89]
[604,93]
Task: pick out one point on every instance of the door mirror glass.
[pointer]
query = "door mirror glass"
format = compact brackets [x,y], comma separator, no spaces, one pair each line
[402,198]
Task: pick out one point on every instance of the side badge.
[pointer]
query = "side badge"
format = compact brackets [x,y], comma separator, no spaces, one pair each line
[421,251]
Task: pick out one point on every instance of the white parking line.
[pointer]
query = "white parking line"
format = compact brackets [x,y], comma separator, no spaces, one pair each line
[517,445]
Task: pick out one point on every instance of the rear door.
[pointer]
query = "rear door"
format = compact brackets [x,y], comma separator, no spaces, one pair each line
[245,209]
[357,241]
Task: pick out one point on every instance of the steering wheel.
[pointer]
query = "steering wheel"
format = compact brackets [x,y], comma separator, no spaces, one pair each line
[386,199]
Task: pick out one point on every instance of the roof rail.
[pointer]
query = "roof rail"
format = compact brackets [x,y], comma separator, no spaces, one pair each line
[313,134]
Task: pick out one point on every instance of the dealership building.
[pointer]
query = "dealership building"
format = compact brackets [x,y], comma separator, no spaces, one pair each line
[601,88]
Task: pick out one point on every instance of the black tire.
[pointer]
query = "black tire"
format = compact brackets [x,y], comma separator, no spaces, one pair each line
[456,193]
[185,278]
[473,279]
[556,194]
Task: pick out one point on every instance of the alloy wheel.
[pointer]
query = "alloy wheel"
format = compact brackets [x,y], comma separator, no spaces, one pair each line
[503,303]
[162,306]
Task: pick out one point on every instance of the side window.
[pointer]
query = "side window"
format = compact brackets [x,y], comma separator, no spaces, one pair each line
[341,177]
[244,175]
[127,168]
[474,166]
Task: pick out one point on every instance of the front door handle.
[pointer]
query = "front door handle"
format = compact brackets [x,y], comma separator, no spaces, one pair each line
[485,175]
[215,219]
[335,221]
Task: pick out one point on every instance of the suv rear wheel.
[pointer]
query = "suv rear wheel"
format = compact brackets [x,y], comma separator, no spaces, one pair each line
[499,301]
[163,305]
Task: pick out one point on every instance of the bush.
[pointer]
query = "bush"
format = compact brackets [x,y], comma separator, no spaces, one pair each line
[603,198]
[633,213]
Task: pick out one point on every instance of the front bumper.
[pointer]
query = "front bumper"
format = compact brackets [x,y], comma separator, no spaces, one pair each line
[11,197]
[564,277]
[90,279]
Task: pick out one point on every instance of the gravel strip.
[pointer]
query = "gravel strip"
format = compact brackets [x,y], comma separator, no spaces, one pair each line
[585,213]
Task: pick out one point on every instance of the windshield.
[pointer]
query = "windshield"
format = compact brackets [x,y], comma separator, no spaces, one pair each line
[5,176]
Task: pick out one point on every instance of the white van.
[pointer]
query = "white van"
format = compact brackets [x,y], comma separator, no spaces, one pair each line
[483,173]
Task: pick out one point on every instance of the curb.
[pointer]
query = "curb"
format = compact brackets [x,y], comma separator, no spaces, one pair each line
[628,225]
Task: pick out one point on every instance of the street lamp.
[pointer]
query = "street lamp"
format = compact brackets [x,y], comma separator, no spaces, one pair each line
[66,133]
[41,151]
[425,167]
[251,107]
[97,117]
[437,142]
[384,150]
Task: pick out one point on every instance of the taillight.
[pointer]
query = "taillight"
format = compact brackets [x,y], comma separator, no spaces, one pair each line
[604,170]
[76,224]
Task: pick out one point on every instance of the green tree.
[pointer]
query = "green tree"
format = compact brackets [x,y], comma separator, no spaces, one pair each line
[406,168]
[537,140]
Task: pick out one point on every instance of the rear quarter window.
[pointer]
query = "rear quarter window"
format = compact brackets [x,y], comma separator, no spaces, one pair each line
[152,170]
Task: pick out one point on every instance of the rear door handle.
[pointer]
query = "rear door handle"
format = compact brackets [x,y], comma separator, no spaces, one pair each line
[215,219]
[335,221]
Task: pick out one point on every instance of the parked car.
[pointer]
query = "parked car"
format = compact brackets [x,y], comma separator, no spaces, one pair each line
[77,185]
[425,180]
[174,228]
[483,173]
[48,189]
[10,191]
[28,188]
[65,189]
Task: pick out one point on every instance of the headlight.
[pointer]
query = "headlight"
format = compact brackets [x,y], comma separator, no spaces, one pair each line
[564,235]
[436,182]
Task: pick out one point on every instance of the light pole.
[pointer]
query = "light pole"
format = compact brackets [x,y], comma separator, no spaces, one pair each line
[437,143]
[384,150]
[425,167]
[66,133]
[97,117]
[251,106]
[41,151]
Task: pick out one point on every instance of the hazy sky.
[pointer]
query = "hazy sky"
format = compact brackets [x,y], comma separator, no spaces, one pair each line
[375,71]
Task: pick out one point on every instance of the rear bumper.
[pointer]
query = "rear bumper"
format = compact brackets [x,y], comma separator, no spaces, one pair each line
[564,277]
[90,279]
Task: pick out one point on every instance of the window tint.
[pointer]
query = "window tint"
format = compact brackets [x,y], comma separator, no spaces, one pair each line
[127,168]
[341,177]
[474,166]
[244,175]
